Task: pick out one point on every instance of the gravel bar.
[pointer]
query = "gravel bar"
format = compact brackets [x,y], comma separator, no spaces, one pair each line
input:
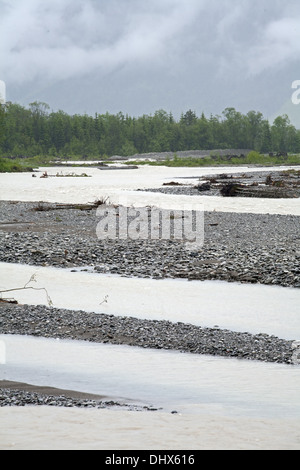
[50,322]
[17,397]
[211,185]
[247,248]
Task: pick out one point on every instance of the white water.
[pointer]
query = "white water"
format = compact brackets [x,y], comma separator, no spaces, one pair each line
[239,307]
[123,184]
[223,403]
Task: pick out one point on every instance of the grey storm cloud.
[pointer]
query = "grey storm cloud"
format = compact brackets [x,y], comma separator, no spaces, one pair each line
[61,39]
[138,55]
[64,38]
[280,41]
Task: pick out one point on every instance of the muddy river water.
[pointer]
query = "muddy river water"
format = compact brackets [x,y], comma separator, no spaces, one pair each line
[220,403]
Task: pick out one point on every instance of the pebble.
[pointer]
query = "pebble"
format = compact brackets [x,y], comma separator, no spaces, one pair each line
[15,397]
[248,248]
[50,322]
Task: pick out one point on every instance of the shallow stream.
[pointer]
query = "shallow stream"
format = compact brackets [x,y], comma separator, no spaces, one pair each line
[121,187]
[221,403]
[186,383]
[248,308]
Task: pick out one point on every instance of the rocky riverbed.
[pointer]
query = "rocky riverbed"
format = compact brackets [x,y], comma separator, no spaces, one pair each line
[248,248]
[259,184]
[154,334]
[19,394]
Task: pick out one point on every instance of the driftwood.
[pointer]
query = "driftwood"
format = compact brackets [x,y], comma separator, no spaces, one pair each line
[268,192]
[26,287]
[41,207]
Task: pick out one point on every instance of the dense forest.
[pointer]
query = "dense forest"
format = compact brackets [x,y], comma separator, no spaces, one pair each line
[37,131]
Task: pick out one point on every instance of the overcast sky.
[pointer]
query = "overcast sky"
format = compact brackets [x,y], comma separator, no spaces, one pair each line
[138,56]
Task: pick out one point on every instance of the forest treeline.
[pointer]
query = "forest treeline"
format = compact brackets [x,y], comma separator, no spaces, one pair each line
[37,131]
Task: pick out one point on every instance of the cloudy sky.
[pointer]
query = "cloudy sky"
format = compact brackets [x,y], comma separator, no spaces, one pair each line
[138,56]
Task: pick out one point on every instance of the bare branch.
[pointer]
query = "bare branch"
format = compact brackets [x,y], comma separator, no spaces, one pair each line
[26,287]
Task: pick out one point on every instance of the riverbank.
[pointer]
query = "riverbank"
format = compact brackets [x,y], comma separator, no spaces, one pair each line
[247,248]
[22,394]
[238,247]
[284,184]
[48,322]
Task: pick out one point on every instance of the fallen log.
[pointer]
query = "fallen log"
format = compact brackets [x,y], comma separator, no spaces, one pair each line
[268,192]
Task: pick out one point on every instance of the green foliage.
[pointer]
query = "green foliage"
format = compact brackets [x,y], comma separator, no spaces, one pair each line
[36,132]
[10,166]
[253,158]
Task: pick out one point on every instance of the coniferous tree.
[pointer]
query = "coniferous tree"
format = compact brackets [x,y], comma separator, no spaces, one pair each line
[34,131]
